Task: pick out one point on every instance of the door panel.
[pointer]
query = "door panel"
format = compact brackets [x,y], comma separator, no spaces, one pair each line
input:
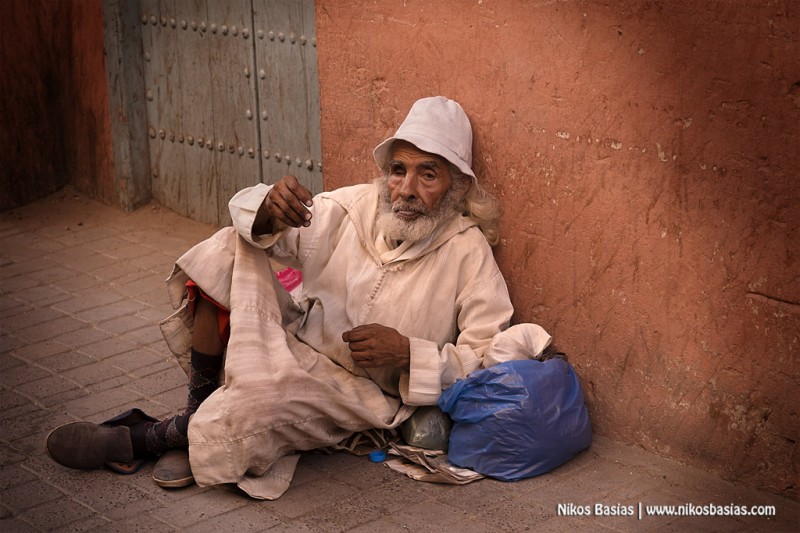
[234,137]
[286,68]
[223,98]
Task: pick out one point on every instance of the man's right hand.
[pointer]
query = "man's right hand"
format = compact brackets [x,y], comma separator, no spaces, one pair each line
[285,205]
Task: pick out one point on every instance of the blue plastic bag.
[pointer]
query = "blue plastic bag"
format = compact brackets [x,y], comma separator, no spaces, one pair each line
[517,419]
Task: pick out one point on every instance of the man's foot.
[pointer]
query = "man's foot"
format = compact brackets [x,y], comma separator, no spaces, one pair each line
[173,471]
[85,445]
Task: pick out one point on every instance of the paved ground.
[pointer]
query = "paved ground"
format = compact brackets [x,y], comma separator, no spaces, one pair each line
[81,291]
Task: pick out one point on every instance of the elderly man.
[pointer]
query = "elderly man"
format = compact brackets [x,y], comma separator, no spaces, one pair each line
[401,298]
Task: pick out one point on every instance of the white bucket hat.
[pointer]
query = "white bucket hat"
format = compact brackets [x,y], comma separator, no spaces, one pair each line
[436,125]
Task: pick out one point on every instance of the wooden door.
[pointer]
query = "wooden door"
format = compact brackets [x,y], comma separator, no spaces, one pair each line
[232,99]
[288,90]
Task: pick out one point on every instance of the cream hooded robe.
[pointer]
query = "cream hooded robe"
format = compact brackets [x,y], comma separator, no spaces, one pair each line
[290,382]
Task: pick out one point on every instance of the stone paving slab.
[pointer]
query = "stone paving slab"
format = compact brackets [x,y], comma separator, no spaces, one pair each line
[81,292]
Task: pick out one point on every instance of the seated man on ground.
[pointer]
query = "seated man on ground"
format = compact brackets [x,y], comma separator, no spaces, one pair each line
[402,297]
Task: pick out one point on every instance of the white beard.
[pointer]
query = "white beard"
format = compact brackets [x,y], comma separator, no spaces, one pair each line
[401,230]
[398,229]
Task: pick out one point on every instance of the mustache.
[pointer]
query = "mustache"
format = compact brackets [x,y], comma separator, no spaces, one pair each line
[416,206]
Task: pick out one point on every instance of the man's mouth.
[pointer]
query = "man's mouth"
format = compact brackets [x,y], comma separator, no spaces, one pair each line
[407,214]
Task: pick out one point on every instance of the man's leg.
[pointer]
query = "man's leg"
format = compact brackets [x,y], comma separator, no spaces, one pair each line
[207,348]
[173,469]
[155,438]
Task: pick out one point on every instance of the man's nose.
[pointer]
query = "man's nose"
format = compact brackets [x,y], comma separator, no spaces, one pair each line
[408,187]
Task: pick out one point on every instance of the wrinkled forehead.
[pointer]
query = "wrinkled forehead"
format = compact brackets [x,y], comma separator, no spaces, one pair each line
[407,153]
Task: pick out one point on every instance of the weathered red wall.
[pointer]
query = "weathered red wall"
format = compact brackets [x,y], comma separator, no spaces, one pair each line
[92,163]
[646,154]
[55,120]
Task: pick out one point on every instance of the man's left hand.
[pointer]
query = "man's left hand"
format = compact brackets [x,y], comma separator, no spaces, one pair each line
[373,345]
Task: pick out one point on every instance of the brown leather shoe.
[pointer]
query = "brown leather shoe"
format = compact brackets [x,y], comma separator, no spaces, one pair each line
[85,445]
[173,471]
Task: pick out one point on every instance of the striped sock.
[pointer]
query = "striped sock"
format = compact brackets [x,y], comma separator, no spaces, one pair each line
[155,438]
[203,379]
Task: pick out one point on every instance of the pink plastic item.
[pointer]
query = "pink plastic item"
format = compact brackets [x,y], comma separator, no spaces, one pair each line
[290,278]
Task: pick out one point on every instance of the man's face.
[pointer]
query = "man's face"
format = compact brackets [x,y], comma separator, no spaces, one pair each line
[416,179]
[417,194]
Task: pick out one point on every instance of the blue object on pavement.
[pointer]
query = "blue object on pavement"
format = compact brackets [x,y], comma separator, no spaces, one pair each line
[517,419]
[378,456]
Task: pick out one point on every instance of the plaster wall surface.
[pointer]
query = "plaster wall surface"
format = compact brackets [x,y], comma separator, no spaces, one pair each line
[54,109]
[646,157]
[92,162]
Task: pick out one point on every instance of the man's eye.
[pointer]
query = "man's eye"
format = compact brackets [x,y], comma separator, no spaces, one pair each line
[398,171]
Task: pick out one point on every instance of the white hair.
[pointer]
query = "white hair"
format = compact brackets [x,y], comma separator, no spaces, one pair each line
[480,206]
